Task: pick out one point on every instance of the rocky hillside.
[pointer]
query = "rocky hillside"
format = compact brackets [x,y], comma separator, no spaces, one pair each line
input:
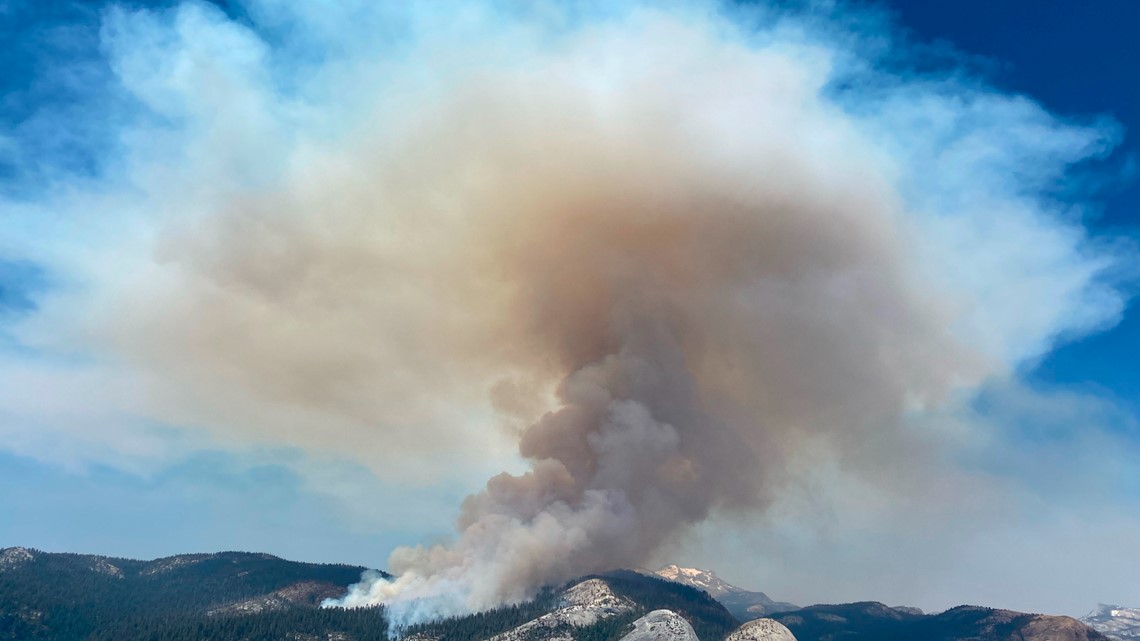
[604,607]
[661,625]
[584,605]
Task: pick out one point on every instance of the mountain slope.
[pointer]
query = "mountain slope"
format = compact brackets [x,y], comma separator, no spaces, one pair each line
[743,604]
[235,596]
[1115,622]
[871,621]
[74,596]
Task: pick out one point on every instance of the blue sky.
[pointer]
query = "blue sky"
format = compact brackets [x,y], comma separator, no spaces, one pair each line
[110,441]
[1075,58]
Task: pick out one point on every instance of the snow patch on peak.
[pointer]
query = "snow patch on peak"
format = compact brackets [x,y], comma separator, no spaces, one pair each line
[697,578]
[673,570]
[1126,613]
[743,604]
[762,630]
[1115,621]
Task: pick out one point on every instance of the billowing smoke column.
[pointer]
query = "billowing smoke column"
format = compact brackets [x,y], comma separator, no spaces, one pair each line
[712,260]
[709,262]
[666,252]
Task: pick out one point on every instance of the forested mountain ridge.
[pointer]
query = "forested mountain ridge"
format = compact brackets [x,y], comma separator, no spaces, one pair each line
[240,596]
[872,621]
[63,596]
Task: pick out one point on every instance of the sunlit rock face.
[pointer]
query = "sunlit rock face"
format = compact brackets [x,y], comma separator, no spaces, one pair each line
[661,625]
[762,630]
[583,604]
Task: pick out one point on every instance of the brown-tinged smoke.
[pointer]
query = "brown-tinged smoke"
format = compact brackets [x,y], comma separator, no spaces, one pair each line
[655,252]
[709,262]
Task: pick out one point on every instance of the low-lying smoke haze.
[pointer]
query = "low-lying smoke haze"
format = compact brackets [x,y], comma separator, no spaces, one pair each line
[670,254]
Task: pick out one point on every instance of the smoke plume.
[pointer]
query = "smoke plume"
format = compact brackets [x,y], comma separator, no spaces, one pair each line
[711,262]
[659,249]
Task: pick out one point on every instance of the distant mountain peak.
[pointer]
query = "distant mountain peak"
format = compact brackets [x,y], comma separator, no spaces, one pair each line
[1115,621]
[706,580]
[743,604]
